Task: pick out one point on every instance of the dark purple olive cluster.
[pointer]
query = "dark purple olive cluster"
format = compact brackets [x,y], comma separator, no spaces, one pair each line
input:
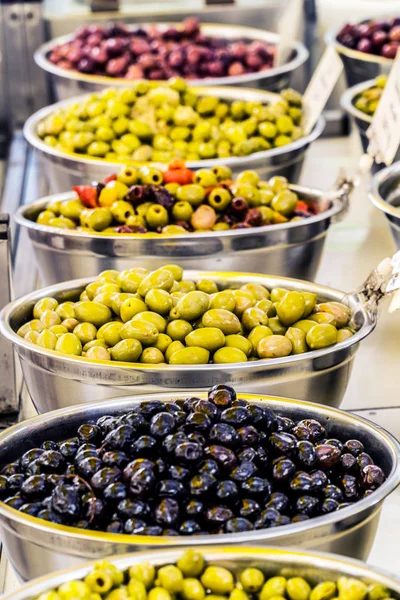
[373,37]
[154,52]
[221,465]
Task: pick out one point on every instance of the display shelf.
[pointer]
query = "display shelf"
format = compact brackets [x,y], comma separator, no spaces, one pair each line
[354,247]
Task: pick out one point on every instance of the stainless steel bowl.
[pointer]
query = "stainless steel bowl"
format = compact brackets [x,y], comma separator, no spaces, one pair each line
[314,566]
[291,249]
[30,542]
[361,120]
[359,66]
[384,192]
[66,170]
[57,381]
[67,84]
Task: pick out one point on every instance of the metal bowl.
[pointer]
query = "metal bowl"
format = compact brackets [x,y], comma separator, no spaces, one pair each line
[67,84]
[30,542]
[66,170]
[361,120]
[384,192]
[359,66]
[291,249]
[57,381]
[314,566]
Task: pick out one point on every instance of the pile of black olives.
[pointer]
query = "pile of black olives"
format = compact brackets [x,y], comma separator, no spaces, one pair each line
[193,466]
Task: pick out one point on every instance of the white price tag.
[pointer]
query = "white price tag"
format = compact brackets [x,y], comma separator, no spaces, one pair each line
[384,132]
[288,30]
[321,86]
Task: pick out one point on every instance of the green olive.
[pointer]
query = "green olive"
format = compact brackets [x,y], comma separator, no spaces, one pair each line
[191,563]
[254,316]
[68,343]
[207,286]
[193,590]
[310,300]
[161,279]
[178,329]
[152,356]
[127,350]
[343,334]
[209,338]
[118,299]
[193,355]
[276,326]
[143,331]
[94,344]
[50,318]
[323,317]
[224,299]
[70,324]
[321,336]
[243,301]
[131,307]
[276,294]
[44,305]
[239,341]
[298,588]
[98,353]
[162,342]
[222,319]
[290,308]
[274,346]
[297,338]
[151,317]
[257,334]
[304,324]
[324,591]
[229,354]
[158,593]
[218,580]
[159,301]
[192,193]
[46,339]
[258,291]
[92,312]
[86,332]
[340,311]
[193,305]
[275,586]
[129,281]
[252,579]
[172,348]
[267,306]
[66,310]
[110,333]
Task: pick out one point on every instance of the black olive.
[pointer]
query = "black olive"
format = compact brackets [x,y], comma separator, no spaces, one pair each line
[224,434]
[363,460]
[197,438]
[202,485]
[283,469]
[149,408]
[248,435]
[208,408]
[227,492]
[348,462]
[283,443]
[217,515]
[194,508]
[249,508]
[31,508]
[170,488]
[237,525]
[167,512]
[189,527]
[222,395]
[334,492]
[224,457]
[89,466]
[66,501]
[88,432]
[14,501]
[319,480]
[135,466]
[284,424]
[134,526]
[328,456]
[51,461]
[372,477]
[169,532]
[334,442]
[307,505]
[210,467]
[267,518]
[170,442]
[69,448]
[243,471]
[162,424]
[14,483]
[188,453]
[306,454]
[179,473]
[120,438]
[197,421]
[256,487]
[26,459]
[142,482]
[128,509]
[355,447]
[115,492]
[279,501]
[329,505]
[350,487]
[145,446]
[35,487]
[115,458]
[236,416]
[248,454]
[301,482]
[115,527]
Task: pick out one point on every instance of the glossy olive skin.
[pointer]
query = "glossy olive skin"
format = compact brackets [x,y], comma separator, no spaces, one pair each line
[159,318]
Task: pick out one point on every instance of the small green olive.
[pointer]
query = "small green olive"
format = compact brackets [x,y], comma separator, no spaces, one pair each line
[92,312]
[210,338]
[218,580]
[193,355]
[298,588]
[127,350]
[321,336]
[274,346]
[68,343]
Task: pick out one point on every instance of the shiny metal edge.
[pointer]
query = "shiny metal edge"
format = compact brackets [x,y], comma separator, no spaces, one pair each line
[21,217]
[226,93]
[374,194]
[214,30]
[346,100]
[286,556]
[10,437]
[106,367]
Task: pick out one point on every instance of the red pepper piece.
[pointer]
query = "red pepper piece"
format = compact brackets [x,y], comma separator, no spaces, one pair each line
[87,195]
[110,178]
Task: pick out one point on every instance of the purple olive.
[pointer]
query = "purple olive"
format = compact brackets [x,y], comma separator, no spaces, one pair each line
[364,45]
[86,65]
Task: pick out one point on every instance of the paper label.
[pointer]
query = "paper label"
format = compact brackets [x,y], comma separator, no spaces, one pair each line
[288,30]
[384,132]
[321,86]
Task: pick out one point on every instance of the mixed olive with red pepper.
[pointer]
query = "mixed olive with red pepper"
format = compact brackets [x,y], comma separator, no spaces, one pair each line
[194,466]
[177,201]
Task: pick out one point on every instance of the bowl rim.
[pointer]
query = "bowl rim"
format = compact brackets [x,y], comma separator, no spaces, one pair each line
[314,409]
[30,133]
[8,311]
[374,194]
[336,206]
[254,33]
[331,38]
[346,100]
[318,560]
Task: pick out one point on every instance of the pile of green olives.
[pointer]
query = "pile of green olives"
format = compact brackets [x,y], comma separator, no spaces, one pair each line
[196,201]
[153,122]
[158,317]
[193,578]
[368,100]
